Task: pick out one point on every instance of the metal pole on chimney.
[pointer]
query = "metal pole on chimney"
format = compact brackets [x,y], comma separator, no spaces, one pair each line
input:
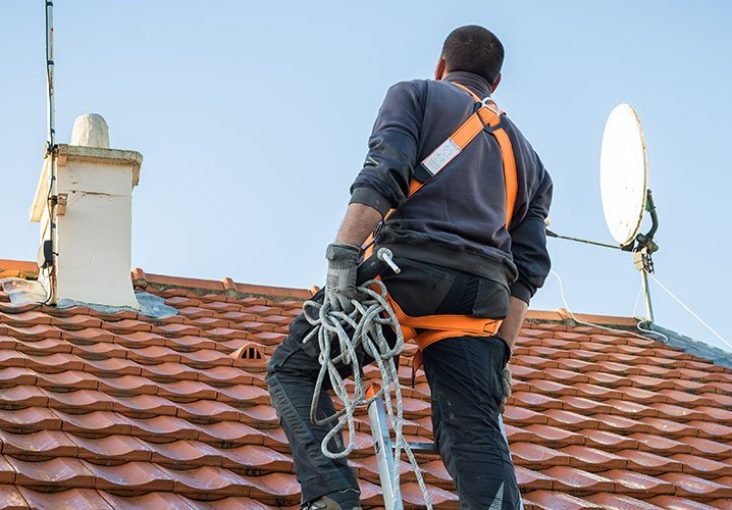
[49,75]
[50,249]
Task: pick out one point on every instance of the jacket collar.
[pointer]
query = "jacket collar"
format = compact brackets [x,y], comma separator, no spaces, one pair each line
[476,83]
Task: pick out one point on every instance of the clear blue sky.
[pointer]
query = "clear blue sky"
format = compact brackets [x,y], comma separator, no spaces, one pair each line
[253,119]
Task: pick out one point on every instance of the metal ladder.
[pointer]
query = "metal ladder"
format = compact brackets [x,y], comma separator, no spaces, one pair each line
[385,457]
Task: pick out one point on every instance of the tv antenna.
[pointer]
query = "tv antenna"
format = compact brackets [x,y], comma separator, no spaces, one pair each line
[625,194]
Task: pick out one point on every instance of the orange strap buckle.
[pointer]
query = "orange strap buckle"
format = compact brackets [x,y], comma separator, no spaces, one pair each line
[432,328]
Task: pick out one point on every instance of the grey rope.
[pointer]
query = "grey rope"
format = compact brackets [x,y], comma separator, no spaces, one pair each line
[366,322]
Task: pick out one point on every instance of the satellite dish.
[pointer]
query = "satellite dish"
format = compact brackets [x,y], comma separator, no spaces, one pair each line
[625,193]
[623,174]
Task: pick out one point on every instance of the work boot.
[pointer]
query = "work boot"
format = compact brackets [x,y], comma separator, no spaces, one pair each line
[342,500]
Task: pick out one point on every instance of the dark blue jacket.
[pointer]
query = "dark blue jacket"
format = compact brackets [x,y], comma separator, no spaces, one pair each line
[457,219]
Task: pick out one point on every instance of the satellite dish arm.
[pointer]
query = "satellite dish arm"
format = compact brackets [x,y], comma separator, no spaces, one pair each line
[651,208]
[585,241]
[646,240]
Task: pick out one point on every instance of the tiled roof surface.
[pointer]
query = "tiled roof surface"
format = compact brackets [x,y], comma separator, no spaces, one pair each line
[106,411]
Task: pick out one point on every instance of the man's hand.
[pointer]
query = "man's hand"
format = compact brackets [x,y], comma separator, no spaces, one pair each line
[506,382]
[340,284]
[511,326]
[343,255]
[508,331]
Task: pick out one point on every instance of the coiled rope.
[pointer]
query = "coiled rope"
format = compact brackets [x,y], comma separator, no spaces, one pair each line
[363,327]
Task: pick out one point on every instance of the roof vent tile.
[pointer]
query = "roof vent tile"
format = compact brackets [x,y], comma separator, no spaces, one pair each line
[250,354]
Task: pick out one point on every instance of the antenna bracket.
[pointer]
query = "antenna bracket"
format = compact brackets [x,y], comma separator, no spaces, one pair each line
[643,260]
[645,242]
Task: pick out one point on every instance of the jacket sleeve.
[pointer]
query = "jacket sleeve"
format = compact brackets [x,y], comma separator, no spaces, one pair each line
[528,242]
[383,183]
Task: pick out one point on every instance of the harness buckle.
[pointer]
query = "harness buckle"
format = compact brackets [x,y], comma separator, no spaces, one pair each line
[385,255]
[487,102]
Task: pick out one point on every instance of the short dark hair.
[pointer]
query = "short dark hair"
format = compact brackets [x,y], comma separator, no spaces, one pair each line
[474,49]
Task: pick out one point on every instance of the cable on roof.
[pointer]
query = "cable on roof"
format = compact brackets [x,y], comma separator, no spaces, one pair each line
[639,326]
[637,299]
[691,312]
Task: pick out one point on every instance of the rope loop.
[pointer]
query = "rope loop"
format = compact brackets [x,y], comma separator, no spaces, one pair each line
[339,336]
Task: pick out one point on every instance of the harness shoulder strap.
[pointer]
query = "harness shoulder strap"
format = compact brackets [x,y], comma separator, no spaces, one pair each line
[488,115]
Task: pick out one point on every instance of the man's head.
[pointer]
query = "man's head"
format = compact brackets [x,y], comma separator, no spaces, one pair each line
[473,49]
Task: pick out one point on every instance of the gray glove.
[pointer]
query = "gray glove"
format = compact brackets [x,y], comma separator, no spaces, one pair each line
[340,284]
[506,382]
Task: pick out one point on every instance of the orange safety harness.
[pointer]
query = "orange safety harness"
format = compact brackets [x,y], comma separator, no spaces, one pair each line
[429,329]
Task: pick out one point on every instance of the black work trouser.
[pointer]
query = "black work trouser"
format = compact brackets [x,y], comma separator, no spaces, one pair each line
[464,375]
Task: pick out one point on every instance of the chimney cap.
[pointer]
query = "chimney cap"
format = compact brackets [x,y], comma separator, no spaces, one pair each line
[90,130]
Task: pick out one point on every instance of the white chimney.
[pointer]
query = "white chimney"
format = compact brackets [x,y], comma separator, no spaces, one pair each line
[93,224]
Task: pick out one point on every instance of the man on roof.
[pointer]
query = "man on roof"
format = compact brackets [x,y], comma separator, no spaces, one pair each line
[463,209]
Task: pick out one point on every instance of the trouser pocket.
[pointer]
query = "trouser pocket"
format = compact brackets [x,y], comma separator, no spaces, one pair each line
[426,289]
[491,300]
[419,288]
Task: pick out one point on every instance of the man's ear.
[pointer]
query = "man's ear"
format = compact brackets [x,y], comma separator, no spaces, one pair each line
[440,70]
[496,82]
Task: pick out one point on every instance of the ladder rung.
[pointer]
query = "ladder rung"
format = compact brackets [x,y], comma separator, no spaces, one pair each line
[422,447]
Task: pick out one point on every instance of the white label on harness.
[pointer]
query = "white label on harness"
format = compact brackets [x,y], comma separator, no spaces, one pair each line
[441,156]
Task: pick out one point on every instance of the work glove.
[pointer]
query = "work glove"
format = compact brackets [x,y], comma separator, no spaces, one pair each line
[340,284]
[506,383]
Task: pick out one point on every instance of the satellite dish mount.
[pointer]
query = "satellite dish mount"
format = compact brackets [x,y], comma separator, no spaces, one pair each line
[643,252]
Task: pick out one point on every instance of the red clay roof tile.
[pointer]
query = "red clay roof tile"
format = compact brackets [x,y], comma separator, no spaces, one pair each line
[42,444]
[533,480]
[569,419]
[620,502]
[573,479]
[702,466]
[11,498]
[72,499]
[552,436]
[538,456]
[711,429]
[647,462]
[724,504]
[654,442]
[111,448]
[679,503]
[593,458]
[59,471]
[551,500]
[607,440]
[689,486]
[153,500]
[632,482]
[132,476]
[667,427]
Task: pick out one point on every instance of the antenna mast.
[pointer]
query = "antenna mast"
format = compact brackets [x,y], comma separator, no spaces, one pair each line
[49,252]
[644,249]
[49,74]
